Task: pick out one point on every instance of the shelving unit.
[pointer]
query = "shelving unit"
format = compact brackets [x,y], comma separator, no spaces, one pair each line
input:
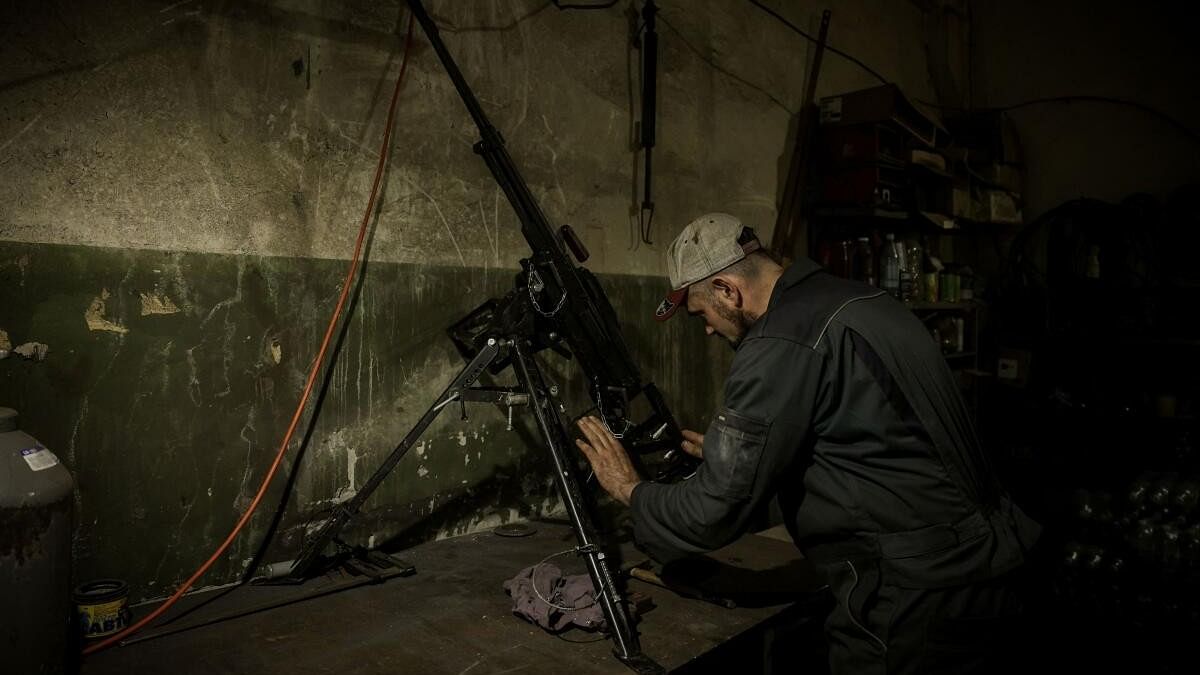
[968,357]
[922,305]
[832,224]
[883,166]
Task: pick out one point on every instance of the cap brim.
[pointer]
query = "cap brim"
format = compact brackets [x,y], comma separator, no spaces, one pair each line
[673,301]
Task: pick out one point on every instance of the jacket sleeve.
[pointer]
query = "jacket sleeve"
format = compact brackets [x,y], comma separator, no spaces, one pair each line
[771,399]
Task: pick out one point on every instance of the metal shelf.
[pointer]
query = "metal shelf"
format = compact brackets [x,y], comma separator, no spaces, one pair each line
[925,222]
[921,305]
[864,212]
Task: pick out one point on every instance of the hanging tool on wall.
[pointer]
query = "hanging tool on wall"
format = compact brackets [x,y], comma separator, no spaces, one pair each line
[790,230]
[646,41]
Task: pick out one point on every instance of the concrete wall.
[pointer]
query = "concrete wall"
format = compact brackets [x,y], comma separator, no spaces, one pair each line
[180,188]
[1025,50]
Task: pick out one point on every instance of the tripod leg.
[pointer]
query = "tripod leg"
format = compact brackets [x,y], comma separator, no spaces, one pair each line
[625,640]
[454,391]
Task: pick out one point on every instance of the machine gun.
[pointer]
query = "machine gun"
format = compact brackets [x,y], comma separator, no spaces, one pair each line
[555,304]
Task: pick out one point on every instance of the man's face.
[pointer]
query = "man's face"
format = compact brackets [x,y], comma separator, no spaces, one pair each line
[720,315]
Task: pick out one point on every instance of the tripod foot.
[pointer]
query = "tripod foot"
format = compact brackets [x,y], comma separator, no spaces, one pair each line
[640,663]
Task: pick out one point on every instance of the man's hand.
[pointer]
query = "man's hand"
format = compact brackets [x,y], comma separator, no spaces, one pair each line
[609,460]
[693,443]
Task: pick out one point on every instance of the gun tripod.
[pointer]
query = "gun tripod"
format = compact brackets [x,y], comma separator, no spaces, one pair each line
[496,350]
[555,305]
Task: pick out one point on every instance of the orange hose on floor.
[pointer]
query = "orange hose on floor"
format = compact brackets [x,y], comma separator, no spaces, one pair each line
[308,385]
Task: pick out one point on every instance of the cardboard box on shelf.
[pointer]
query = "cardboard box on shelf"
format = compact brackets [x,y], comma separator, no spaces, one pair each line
[963,204]
[1002,207]
[884,103]
[1004,176]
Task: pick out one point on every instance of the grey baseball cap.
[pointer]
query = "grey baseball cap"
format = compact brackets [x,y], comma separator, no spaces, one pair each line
[706,246]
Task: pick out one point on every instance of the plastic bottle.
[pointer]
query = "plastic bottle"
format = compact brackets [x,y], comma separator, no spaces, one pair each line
[844,255]
[864,262]
[913,255]
[889,266]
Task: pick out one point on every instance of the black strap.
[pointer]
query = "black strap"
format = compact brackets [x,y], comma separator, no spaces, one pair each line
[895,396]
[896,545]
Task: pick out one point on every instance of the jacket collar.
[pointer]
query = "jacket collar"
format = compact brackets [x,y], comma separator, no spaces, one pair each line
[798,271]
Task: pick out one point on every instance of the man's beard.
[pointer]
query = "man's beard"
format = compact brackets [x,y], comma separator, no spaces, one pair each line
[741,321]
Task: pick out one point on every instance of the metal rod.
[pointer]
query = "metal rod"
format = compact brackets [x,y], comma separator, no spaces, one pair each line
[625,640]
[312,551]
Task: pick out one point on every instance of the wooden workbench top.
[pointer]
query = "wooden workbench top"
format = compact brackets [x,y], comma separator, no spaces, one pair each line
[453,616]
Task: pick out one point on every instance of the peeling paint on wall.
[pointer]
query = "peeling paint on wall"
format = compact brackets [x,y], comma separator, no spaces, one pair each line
[5,345]
[158,303]
[94,316]
[351,465]
[32,350]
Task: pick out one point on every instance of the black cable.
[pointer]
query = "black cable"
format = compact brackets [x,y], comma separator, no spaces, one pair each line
[600,5]
[812,39]
[717,67]
[1152,111]
[448,26]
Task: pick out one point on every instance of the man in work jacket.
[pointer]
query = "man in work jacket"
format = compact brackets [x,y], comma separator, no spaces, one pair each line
[839,403]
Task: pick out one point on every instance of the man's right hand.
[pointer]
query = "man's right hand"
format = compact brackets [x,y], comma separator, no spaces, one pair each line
[693,443]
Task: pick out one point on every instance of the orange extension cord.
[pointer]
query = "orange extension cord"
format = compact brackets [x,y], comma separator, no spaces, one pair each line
[308,385]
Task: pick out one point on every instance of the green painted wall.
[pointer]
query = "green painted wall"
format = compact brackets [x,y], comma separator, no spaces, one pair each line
[171,378]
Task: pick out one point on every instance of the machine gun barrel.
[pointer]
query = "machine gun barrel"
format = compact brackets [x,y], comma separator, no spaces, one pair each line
[534,224]
[575,304]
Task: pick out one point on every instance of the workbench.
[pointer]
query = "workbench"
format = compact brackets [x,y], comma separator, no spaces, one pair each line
[452,616]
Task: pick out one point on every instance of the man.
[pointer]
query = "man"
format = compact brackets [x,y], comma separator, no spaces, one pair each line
[840,404]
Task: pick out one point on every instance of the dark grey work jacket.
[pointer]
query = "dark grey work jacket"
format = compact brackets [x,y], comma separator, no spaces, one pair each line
[840,402]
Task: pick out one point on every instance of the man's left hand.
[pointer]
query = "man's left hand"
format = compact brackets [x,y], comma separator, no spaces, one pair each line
[609,460]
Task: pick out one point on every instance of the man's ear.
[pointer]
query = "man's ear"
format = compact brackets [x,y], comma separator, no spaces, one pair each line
[727,292]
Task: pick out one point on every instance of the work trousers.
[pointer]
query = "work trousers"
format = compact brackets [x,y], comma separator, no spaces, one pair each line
[877,629]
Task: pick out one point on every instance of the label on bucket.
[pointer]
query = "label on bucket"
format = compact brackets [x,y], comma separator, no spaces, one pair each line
[103,619]
[39,458]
